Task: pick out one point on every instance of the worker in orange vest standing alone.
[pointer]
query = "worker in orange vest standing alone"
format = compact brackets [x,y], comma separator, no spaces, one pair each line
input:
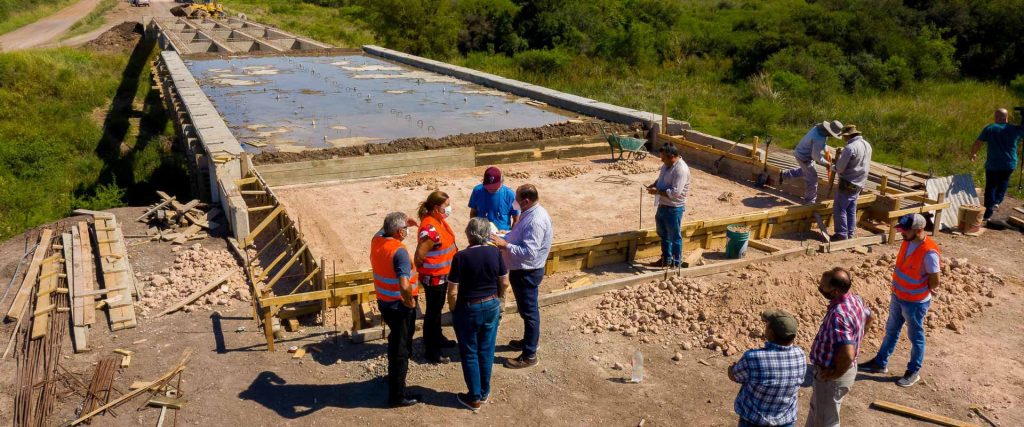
[433,260]
[915,278]
[394,281]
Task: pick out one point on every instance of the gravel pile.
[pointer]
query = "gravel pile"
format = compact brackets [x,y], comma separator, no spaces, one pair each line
[631,167]
[430,183]
[194,268]
[723,314]
[568,172]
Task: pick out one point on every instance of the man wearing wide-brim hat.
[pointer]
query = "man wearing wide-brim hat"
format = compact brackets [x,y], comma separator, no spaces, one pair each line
[852,169]
[809,151]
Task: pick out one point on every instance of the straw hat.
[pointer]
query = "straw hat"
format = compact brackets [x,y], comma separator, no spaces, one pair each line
[833,128]
[849,130]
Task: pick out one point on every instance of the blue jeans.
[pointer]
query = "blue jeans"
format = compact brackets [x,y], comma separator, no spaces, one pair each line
[668,220]
[844,213]
[996,183]
[810,176]
[525,285]
[913,313]
[476,327]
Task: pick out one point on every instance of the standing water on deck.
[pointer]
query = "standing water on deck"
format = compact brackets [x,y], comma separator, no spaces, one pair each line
[283,103]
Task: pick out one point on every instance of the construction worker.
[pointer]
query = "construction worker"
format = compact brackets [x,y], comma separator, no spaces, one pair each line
[915,278]
[433,259]
[494,201]
[394,281]
[809,151]
[526,249]
[852,168]
[670,190]
[1002,139]
[835,347]
[770,376]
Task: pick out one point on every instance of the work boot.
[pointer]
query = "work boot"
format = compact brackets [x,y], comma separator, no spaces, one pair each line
[408,400]
[837,237]
[521,362]
[872,367]
[516,345]
[468,402]
[909,379]
[447,343]
[656,264]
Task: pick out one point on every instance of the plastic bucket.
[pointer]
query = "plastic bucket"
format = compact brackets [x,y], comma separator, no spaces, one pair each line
[736,244]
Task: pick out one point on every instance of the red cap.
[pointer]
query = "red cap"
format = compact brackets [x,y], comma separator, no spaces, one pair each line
[492,179]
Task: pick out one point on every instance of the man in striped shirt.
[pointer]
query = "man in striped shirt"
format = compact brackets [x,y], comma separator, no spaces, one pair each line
[835,348]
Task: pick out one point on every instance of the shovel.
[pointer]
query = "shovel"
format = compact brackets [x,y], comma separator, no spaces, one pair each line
[762,178]
[717,163]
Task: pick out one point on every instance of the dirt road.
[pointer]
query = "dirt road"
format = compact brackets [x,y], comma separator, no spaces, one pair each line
[47,31]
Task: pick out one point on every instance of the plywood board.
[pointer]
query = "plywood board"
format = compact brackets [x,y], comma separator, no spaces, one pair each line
[117,272]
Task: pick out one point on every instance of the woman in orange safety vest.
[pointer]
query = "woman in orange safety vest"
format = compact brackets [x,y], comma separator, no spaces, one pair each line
[433,260]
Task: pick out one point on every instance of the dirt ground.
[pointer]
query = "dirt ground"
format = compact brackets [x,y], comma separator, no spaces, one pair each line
[46,32]
[231,376]
[338,219]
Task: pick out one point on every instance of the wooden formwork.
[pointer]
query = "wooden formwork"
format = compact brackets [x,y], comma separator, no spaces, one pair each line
[282,255]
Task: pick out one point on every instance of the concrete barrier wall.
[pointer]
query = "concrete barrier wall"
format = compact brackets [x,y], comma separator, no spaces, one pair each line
[222,150]
[578,104]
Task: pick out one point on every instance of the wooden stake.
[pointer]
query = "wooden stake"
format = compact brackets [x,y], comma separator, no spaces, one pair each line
[918,414]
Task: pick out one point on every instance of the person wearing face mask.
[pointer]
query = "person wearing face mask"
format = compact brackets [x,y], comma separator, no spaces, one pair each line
[915,278]
[494,201]
[433,259]
[394,281]
[835,347]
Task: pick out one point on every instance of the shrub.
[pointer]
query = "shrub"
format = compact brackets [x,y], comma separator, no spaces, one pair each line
[543,61]
[1017,86]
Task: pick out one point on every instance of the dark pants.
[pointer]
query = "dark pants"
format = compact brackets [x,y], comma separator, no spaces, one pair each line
[745,423]
[476,326]
[844,212]
[996,183]
[402,322]
[525,286]
[433,338]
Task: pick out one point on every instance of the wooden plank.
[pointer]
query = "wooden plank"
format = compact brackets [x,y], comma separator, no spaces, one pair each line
[353,162]
[154,209]
[295,257]
[89,274]
[131,394]
[95,214]
[77,281]
[31,274]
[41,315]
[117,272]
[918,414]
[762,246]
[195,295]
[263,225]
[316,295]
[919,209]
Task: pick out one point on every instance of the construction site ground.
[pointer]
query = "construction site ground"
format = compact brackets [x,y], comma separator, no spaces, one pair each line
[338,218]
[232,377]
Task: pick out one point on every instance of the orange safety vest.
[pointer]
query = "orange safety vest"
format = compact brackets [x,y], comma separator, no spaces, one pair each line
[385,278]
[909,280]
[438,262]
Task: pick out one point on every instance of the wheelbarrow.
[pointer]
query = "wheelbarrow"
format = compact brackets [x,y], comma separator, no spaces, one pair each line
[626,147]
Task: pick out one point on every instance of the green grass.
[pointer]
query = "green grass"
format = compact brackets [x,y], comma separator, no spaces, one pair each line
[79,129]
[925,125]
[91,21]
[15,14]
[327,24]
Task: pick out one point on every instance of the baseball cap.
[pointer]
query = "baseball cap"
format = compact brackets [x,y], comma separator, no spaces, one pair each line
[910,222]
[782,323]
[492,179]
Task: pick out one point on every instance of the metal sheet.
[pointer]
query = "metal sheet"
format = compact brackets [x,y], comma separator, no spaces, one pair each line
[959,191]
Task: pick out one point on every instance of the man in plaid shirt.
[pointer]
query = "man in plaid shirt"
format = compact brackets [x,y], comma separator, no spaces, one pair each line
[835,348]
[770,376]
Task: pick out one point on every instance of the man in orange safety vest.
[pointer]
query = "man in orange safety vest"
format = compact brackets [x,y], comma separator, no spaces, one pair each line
[915,279]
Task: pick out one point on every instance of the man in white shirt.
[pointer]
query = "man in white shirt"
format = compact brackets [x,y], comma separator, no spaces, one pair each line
[670,190]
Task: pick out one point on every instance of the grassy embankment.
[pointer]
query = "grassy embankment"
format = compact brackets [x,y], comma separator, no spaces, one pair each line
[15,14]
[79,129]
[91,21]
[926,125]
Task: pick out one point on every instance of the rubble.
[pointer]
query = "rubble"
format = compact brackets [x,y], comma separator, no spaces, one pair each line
[194,268]
[568,171]
[723,315]
[518,175]
[178,222]
[430,183]
[631,167]
[726,197]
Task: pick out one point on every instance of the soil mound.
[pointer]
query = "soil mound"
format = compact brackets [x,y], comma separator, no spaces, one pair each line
[557,130]
[122,37]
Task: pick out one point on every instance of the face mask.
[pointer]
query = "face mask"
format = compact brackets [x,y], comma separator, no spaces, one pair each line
[447,211]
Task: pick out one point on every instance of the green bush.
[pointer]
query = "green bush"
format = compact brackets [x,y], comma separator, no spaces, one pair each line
[542,61]
[1017,86]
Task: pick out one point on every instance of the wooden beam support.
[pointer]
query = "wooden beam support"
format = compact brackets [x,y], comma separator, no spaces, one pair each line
[262,225]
